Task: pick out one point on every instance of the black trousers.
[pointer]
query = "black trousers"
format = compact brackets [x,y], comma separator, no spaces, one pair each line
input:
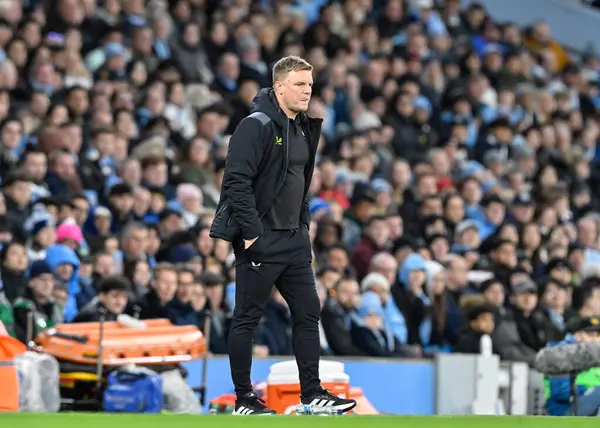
[281,258]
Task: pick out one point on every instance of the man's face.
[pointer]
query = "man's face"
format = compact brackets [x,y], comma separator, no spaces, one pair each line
[506,255]
[78,101]
[494,295]
[338,259]
[115,301]
[102,223]
[470,237]
[379,232]
[562,273]
[172,223]
[431,206]
[348,294]
[166,285]
[64,271]
[65,167]
[495,212]
[186,287]
[81,210]
[43,285]
[329,279]
[11,134]
[46,237]
[36,165]
[123,203]
[484,323]
[525,301]
[156,175]
[295,90]
[20,191]
[60,295]
[136,242]
[104,266]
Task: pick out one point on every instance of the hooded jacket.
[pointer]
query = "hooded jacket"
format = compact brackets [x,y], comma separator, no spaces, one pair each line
[60,254]
[257,163]
[416,310]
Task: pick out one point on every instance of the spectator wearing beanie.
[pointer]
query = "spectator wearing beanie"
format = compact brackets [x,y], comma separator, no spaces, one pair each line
[42,230]
[38,301]
[369,330]
[69,235]
[377,283]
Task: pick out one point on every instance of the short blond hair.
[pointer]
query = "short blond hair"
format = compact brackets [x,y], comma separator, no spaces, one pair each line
[164,267]
[288,64]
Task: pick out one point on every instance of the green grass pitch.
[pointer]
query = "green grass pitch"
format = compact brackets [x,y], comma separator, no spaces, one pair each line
[77,420]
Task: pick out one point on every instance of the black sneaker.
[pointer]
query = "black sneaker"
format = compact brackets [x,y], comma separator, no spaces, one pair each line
[250,404]
[324,401]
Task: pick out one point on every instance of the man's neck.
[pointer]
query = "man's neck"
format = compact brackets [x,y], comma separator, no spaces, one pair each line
[586,313]
[42,300]
[289,113]
[214,305]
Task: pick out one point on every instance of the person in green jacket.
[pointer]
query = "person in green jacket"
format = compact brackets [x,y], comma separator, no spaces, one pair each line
[6,315]
[38,301]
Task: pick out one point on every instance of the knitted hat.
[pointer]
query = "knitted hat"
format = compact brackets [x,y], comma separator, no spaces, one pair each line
[183,253]
[39,220]
[69,231]
[38,268]
[372,279]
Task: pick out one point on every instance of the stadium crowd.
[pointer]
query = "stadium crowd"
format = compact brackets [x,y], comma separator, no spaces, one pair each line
[455,193]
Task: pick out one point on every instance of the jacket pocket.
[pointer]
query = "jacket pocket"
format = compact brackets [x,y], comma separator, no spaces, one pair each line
[224,225]
[255,251]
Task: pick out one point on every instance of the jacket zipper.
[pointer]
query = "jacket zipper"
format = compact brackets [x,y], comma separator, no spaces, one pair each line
[285,160]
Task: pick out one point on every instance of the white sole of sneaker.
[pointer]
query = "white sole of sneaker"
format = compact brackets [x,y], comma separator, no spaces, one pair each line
[316,410]
[245,413]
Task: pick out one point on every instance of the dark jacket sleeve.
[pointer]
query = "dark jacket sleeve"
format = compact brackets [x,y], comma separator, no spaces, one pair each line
[366,341]
[506,339]
[243,158]
[20,315]
[88,315]
[338,336]
[305,216]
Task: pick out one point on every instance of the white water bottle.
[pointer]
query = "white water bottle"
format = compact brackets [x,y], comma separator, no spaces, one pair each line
[485,345]
[130,322]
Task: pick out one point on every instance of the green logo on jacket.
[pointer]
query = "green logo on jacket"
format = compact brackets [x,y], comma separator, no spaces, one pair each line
[278,140]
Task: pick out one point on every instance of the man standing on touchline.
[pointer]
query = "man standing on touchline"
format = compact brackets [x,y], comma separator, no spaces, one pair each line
[263,212]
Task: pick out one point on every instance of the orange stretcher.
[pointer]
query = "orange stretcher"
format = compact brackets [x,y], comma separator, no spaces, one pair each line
[9,378]
[159,343]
